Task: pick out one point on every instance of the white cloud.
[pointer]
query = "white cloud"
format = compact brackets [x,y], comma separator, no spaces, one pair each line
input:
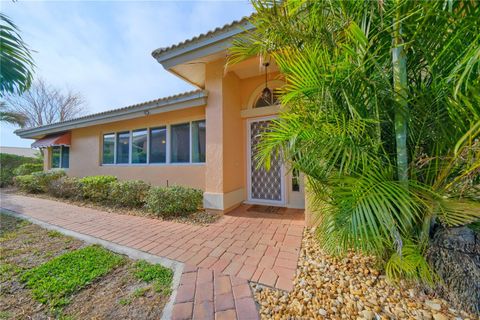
[103,49]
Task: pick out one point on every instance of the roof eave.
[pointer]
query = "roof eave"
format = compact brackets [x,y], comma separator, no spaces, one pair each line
[183,102]
[200,47]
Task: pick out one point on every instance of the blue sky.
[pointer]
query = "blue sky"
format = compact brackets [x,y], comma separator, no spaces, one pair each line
[102,49]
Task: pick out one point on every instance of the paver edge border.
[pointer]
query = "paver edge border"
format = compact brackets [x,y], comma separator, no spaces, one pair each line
[135,254]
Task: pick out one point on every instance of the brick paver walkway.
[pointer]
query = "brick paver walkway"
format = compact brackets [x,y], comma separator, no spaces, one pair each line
[259,247]
[207,294]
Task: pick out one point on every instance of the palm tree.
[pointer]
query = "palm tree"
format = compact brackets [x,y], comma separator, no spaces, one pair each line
[14,118]
[383,117]
[16,63]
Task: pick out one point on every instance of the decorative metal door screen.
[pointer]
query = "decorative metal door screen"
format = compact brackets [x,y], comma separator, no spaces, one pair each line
[265,185]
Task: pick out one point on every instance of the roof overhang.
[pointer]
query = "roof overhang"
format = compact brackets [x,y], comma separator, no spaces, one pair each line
[187,59]
[178,102]
[59,139]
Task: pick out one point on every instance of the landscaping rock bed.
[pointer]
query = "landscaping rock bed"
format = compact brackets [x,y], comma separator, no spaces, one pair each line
[347,288]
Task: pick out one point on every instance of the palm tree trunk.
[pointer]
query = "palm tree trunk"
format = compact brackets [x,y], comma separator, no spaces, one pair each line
[400,86]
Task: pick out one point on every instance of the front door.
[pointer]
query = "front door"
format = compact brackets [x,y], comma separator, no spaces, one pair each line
[264,186]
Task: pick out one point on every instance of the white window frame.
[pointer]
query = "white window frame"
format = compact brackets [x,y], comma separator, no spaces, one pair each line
[168,146]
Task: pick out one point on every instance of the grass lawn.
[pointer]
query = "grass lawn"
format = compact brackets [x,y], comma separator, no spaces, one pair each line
[46,274]
[52,282]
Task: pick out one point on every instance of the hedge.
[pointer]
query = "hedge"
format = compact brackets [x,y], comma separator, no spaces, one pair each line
[9,163]
[173,201]
[162,201]
[130,194]
[27,168]
[37,182]
[65,187]
[97,188]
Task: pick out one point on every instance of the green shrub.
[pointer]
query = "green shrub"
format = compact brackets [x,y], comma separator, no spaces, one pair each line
[27,168]
[65,187]
[28,183]
[97,188]
[43,179]
[173,201]
[9,163]
[129,193]
[37,182]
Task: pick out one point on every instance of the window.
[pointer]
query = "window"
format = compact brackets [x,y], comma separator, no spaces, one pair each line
[108,148]
[198,141]
[123,147]
[295,180]
[139,146]
[180,143]
[158,145]
[60,157]
[65,157]
[56,154]
[267,99]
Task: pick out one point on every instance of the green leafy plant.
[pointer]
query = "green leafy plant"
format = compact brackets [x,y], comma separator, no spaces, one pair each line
[382,114]
[65,187]
[159,275]
[97,188]
[9,163]
[28,184]
[12,117]
[17,64]
[54,281]
[27,168]
[173,201]
[130,193]
[43,179]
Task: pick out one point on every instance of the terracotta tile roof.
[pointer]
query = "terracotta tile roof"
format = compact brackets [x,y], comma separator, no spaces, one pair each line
[202,36]
[163,100]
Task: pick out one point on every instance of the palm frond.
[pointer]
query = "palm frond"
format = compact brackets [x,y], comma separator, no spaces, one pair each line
[410,264]
[16,63]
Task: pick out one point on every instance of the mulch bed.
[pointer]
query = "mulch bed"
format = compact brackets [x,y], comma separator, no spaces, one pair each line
[118,295]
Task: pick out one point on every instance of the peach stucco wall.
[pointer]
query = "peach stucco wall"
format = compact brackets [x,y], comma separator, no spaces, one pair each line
[85,152]
[214,134]
[225,168]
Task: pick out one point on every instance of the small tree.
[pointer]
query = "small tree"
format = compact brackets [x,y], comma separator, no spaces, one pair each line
[382,116]
[44,104]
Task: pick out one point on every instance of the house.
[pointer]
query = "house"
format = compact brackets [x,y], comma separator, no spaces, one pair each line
[203,139]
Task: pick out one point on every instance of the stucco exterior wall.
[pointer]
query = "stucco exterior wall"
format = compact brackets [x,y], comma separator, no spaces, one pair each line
[214,121]
[86,144]
[234,135]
